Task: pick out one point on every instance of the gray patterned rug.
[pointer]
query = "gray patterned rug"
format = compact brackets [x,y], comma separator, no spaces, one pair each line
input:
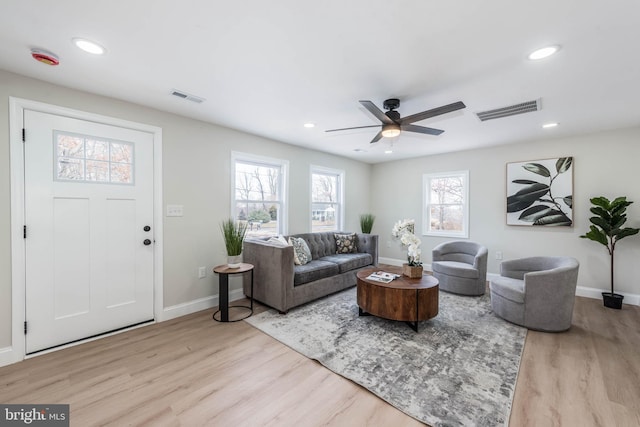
[459,370]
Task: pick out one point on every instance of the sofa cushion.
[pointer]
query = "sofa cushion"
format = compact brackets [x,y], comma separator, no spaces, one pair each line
[301,251]
[314,270]
[508,288]
[345,243]
[348,262]
[454,268]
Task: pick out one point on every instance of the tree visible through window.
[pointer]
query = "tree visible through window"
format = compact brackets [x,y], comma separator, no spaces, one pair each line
[259,195]
[446,208]
[83,158]
[326,199]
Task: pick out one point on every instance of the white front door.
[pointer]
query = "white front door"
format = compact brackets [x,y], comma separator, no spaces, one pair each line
[89,228]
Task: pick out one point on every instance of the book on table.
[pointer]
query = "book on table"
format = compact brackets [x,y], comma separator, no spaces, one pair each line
[382,276]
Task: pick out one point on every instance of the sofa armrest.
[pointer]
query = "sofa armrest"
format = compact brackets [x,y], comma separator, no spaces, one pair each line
[368,243]
[273,272]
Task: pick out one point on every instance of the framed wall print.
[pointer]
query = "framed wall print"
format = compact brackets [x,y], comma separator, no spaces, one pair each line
[540,192]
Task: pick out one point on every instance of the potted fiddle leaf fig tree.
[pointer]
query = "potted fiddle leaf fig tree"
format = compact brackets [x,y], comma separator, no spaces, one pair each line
[233,239]
[606,229]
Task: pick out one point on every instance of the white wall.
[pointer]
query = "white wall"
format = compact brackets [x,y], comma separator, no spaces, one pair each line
[604,164]
[196,167]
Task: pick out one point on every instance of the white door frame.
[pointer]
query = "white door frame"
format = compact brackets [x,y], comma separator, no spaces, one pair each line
[18,260]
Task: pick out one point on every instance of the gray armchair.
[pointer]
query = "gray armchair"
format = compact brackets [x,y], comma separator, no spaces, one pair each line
[460,267]
[537,293]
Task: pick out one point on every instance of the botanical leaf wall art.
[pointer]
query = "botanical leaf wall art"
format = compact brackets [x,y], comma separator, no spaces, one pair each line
[540,192]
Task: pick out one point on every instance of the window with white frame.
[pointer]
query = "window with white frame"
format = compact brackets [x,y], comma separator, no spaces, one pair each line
[259,193]
[446,204]
[85,158]
[327,188]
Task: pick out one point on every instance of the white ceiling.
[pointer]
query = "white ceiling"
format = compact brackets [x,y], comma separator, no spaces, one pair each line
[268,67]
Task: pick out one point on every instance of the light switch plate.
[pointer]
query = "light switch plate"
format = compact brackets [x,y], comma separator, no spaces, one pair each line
[174,210]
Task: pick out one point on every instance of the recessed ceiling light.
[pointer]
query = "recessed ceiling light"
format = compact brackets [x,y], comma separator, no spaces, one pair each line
[309,125]
[549,125]
[388,151]
[359,150]
[89,46]
[543,53]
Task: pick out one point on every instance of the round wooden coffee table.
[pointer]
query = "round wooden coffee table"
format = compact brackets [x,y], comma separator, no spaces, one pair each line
[405,299]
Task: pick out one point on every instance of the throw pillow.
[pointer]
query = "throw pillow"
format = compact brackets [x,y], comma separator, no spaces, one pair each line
[346,243]
[301,251]
[278,240]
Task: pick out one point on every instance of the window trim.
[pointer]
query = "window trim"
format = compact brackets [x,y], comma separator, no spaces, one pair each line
[426,204]
[322,170]
[237,156]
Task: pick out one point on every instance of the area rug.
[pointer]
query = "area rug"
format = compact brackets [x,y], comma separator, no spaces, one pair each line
[460,369]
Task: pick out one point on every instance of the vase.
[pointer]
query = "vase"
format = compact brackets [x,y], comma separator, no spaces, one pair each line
[234,261]
[412,271]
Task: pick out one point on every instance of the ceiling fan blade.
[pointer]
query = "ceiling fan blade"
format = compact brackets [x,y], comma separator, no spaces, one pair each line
[421,129]
[377,137]
[377,112]
[433,112]
[357,127]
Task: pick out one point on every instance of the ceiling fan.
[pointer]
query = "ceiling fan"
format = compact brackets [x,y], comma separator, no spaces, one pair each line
[392,123]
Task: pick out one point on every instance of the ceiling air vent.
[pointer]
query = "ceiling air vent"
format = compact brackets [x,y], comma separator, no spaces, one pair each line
[511,110]
[185,95]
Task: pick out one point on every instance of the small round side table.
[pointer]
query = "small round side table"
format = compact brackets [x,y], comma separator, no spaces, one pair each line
[223,272]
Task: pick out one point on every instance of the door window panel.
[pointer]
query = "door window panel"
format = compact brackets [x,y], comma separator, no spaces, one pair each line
[83,158]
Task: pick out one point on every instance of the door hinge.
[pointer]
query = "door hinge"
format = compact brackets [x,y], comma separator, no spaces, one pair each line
[24,135]
[25,327]
[24,231]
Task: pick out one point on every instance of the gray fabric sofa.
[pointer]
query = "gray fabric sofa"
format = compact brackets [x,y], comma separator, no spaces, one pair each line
[537,292]
[460,267]
[282,285]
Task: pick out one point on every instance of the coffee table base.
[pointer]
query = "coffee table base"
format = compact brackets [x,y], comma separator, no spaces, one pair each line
[413,325]
[406,299]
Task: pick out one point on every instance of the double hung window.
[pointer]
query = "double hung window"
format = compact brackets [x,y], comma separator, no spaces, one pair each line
[259,193]
[326,199]
[446,204]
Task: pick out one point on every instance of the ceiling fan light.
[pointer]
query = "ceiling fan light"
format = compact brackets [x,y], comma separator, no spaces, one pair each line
[390,131]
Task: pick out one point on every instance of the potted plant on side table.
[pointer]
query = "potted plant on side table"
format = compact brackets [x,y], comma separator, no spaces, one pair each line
[233,234]
[607,229]
[366,222]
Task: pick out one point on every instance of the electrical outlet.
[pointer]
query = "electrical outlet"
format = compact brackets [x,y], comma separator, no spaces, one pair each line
[498,254]
[202,272]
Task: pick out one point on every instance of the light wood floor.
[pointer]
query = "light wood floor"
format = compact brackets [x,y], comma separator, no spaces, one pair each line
[193,371]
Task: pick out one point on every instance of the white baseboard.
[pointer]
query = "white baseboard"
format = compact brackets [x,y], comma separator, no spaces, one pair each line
[197,305]
[631,299]
[393,261]
[581,291]
[7,356]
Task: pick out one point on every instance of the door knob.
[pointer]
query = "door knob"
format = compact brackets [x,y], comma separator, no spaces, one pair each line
[147,242]
[146,228]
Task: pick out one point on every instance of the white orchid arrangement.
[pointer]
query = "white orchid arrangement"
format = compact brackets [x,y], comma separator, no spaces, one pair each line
[404,230]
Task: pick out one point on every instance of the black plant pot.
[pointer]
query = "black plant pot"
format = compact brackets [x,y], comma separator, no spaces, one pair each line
[612,300]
